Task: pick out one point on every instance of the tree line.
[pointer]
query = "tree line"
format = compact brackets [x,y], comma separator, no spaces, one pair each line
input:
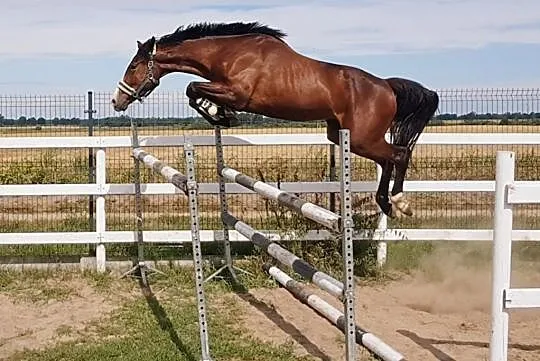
[250,119]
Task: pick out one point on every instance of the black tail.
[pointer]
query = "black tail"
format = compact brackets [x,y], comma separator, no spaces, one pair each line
[415,107]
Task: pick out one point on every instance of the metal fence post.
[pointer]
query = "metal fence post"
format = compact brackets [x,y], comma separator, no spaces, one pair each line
[332,174]
[91,167]
[347,245]
[220,163]
[192,188]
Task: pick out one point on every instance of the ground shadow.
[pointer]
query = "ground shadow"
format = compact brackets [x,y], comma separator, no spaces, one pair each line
[164,321]
[284,325]
[429,344]
[278,320]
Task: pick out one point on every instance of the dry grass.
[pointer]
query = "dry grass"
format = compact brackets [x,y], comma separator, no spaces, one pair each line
[274,163]
[263,152]
[118,131]
[319,128]
[483,128]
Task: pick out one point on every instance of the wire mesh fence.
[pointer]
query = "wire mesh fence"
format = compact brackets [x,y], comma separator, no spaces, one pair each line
[167,113]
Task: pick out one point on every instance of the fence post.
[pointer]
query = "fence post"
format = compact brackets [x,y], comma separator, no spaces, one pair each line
[332,174]
[502,255]
[192,192]
[347,244]
[91,167]
[224,208]
[382,226]
[101,220]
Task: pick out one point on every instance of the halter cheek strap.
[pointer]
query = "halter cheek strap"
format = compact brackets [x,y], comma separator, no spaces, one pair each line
[140,92]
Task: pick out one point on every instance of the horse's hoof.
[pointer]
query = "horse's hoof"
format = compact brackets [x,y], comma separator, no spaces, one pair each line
[397,197]
[406,209]
[395,212]
[400,206]
[207,109]
[210,108]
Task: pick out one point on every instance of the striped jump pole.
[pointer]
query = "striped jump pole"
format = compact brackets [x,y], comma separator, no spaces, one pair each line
[309,210]
[304,269]
[300,291]
[339,223]
[178,179]
[188,185]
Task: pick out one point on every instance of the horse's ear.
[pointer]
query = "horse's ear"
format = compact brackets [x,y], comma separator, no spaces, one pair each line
[139,44]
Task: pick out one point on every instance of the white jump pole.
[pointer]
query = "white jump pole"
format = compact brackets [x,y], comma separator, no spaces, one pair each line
[332,314]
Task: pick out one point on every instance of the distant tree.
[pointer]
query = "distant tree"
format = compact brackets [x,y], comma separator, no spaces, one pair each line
[446,116]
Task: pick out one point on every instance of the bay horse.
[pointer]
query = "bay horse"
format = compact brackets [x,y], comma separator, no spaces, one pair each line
[250,68]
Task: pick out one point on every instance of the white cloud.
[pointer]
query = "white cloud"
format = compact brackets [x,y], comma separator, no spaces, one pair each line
[63,27]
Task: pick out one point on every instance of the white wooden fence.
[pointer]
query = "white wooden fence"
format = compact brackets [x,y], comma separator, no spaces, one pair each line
[101,189]
[504,298]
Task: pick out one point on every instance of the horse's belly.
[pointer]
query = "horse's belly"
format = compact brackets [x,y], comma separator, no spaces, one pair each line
[290,108]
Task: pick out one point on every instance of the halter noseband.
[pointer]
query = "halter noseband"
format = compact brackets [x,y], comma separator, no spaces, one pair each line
[140,92]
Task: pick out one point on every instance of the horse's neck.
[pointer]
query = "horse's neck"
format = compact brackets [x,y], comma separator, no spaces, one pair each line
[191,57]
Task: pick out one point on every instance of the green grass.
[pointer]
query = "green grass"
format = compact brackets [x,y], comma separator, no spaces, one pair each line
[162,325]
[158,324]
[326,254]
[36,286]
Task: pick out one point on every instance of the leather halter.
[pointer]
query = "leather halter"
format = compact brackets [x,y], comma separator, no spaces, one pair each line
[142,91]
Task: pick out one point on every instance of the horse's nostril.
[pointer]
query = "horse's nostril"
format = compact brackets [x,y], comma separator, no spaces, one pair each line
[113,101]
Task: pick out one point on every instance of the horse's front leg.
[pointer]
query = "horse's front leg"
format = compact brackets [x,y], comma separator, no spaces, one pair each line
[216,102]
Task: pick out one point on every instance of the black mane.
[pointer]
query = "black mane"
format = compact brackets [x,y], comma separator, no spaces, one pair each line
[201,30]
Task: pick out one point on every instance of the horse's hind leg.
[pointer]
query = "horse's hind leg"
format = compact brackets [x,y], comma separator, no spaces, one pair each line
[381,196]
[215,102]
[381,154]
[397,198]
[387,156]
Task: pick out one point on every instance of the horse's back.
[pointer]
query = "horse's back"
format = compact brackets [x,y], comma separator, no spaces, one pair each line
[301,87]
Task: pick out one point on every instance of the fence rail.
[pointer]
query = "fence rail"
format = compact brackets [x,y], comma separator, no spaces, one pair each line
[460,166]
[257,139]
[167,113]
[104,189]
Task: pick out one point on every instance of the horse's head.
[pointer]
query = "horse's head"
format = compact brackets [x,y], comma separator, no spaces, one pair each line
[140,79]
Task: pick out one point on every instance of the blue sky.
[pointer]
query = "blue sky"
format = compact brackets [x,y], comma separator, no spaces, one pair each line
[63,46]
